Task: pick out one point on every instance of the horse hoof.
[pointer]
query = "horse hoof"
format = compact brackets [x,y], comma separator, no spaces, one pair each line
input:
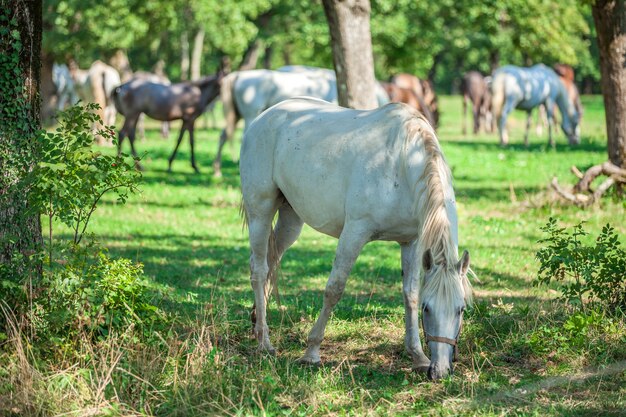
[308,361]
[271,351]
[421,369]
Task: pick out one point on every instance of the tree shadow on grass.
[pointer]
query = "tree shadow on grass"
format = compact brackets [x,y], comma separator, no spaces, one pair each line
[586,145]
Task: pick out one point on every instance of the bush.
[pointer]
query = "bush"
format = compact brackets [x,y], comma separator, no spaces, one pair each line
[587,274]
[94,295]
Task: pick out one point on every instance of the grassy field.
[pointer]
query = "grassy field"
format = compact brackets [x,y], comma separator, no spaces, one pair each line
[515,356]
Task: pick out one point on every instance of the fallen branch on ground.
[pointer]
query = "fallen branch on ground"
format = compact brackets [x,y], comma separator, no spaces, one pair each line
[582,195]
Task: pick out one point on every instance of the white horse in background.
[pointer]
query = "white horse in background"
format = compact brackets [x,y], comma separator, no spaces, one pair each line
[358,176]
[64,84]
[246,94]
[96,85]
[382,97]
[526,88]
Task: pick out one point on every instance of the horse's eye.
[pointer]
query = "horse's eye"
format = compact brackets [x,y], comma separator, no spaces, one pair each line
[425,308]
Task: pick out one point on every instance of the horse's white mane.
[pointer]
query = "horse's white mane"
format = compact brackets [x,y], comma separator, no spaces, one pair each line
[436,233]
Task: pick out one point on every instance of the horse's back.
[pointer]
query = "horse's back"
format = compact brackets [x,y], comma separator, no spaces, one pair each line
[257,90]
[329,162]
[527,87]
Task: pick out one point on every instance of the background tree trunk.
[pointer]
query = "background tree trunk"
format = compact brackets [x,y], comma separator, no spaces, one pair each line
[351,40]
[251,56]
[20,229]
[610,20]
[184,59]
[196,54]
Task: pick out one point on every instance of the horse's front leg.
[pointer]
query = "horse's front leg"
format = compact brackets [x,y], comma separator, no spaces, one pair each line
[410,289]
[351,241]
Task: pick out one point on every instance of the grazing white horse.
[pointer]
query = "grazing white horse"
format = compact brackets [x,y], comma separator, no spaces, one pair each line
[65,90]
[526,88]
[358,176]
[246,94]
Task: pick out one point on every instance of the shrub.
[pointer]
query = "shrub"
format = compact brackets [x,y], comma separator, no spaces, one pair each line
[94,294]
[587,274]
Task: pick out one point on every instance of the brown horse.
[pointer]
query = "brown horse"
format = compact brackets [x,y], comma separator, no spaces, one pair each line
[423,89]
[162,102]
[475,89]
[405,95]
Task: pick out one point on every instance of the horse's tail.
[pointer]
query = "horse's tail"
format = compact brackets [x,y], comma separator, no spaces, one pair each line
[116,97]
[231,115]
[497,94]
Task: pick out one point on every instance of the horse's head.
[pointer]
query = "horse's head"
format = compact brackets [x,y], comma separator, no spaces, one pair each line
[573,107]
[443,296]
[570,124]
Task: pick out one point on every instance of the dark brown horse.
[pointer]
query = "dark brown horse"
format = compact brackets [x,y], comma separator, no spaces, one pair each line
[422,89]
[475,89]
[162,102]
[405,95]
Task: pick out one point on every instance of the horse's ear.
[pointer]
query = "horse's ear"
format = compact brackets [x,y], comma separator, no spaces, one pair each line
[427,260]
[464,263]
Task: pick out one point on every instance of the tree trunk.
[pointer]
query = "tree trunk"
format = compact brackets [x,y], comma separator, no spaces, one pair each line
[251,56]
[610,19]
[267,57]
[184,59]
[20,229]
[196,54]
[494,60]
[351,40]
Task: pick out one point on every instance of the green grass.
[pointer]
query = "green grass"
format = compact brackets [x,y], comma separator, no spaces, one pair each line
[186,230]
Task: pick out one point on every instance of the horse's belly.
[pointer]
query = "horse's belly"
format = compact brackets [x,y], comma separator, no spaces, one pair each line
[316,202]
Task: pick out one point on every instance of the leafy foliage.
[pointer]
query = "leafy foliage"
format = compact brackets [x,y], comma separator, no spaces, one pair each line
[587,274]
[93,294]
[71,177]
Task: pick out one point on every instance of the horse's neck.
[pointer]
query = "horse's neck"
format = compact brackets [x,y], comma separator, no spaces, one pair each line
[208,93]
[566,107]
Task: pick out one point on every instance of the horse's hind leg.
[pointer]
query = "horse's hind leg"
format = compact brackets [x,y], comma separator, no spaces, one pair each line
[260,226]
[528,119]
[217,163]
[286,232]
[131,139]
[352,239]
[180,138]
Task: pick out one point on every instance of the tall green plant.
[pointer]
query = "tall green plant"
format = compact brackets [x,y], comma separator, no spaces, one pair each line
[71,176]
[593,274]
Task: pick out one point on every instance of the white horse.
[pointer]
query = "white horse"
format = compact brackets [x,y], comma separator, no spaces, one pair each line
[65,91]
[358,176]
[96,85]
[526,88]
[382,97]
[246,94]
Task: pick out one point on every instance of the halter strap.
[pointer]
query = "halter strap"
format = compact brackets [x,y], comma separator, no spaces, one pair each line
[440,339]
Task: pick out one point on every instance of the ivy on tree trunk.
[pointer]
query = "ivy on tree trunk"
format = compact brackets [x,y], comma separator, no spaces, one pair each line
[20,63]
